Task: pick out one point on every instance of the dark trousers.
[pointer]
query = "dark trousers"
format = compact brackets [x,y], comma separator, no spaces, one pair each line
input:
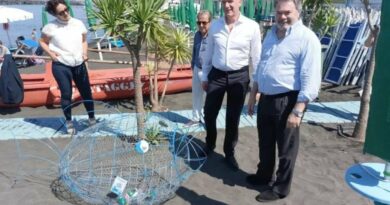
[272,117]
[235,84]
[79,74]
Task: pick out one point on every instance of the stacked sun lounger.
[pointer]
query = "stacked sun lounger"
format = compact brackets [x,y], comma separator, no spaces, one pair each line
[346,58]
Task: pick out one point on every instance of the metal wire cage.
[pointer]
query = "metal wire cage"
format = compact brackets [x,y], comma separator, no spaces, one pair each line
[97,155]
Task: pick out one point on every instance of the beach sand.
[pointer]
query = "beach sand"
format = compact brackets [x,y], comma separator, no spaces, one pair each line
[318,178]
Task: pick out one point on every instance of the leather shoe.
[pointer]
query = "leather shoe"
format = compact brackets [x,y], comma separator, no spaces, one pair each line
[232,163]
[206,151]
[268,196]
[255,180]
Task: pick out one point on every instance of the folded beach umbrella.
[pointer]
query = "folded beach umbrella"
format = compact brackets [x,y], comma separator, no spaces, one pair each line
[170,12]
[377,137]
[182,12]
[221,12]
[259,7]
[176,10]
[45,19]
[272,8]
[191,15]
[266,10]
[250,9]
[69,7]
[176,13]
[242,10]
[89,11]
[208,5]
[215,9]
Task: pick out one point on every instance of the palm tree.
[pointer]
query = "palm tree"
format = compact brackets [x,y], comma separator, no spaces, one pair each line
[134,21]
[175,50]
[156,42]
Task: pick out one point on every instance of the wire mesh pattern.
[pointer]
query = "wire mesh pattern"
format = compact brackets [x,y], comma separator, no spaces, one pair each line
[96,155]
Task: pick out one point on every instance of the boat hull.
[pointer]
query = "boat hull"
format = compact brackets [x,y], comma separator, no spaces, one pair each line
[106,84]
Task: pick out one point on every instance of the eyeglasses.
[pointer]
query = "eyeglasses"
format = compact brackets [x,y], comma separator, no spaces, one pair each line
[62,13]
[202,22]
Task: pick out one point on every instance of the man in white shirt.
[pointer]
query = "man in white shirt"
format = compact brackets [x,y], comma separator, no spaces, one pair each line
[232,41]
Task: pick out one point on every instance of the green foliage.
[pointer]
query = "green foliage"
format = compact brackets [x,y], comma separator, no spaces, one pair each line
[112,16]
[319,15]
[153,135]
[175,46]
[315,3]
[131,19]
[148,16]
[324,21]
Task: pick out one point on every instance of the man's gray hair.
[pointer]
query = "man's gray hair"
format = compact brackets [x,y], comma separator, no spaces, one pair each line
[298,4]
[204,12]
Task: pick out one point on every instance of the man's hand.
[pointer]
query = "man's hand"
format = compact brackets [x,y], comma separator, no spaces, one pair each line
[251,105]
[293,121]
[205,85]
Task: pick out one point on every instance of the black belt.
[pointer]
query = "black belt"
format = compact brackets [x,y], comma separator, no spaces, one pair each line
[279,95]
[243,69]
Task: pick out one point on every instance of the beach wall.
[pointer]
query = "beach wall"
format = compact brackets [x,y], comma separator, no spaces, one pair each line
[2,2]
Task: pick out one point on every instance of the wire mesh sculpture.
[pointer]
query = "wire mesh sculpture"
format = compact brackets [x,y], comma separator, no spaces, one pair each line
[97,155]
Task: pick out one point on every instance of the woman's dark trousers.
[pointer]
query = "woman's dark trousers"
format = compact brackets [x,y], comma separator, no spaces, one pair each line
[79,74]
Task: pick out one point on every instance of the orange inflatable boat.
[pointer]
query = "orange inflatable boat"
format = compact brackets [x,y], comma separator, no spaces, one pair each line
[106,84]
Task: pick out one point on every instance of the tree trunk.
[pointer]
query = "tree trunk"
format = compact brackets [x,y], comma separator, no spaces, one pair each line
[152,74]
[139,104]
[151,90]
[359,131]
[166,81]
[155,81]
[154,89]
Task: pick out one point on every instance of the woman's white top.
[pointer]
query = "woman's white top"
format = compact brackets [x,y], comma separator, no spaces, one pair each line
[66,40]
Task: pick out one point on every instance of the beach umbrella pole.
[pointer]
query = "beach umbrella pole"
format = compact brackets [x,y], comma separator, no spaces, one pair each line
[6,28]
[386,173]
[9,40]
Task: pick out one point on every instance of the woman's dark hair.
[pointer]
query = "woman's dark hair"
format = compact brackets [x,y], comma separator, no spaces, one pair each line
[51,6]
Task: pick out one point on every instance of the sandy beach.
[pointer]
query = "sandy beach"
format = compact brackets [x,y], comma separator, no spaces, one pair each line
[318,179]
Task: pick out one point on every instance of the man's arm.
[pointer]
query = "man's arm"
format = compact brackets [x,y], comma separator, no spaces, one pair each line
[255,50]
[193,52]
[310,72]
[252,99]
[207,57]
[310,78]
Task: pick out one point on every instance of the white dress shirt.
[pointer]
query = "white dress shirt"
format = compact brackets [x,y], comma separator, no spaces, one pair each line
[291,63]
[231,50]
